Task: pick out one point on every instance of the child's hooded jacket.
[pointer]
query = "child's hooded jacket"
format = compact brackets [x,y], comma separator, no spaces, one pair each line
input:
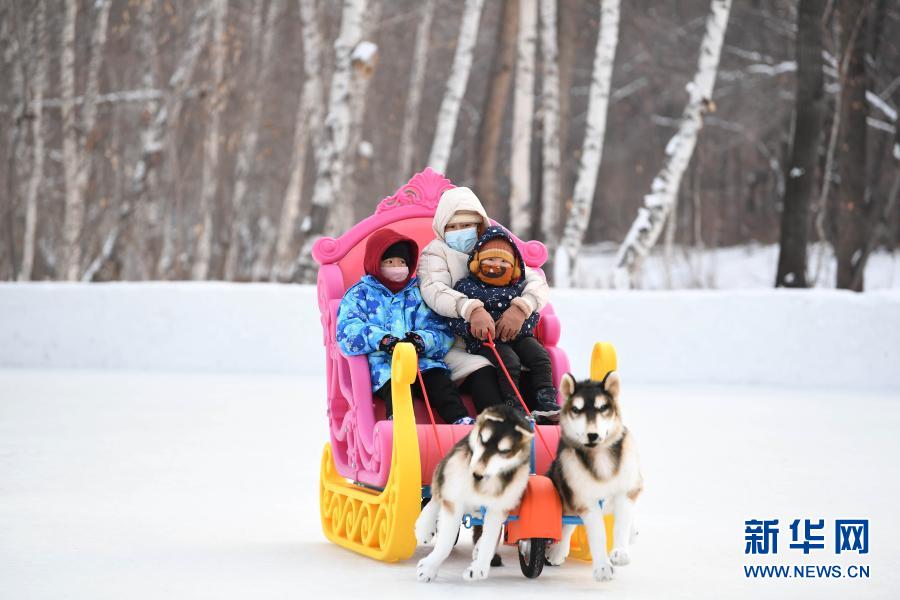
[496,299]
[369,311]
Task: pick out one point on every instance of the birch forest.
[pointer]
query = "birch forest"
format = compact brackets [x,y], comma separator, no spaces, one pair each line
[217,139]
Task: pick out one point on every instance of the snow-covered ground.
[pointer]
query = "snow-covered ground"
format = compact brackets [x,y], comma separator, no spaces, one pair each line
[735,268]
[117,484]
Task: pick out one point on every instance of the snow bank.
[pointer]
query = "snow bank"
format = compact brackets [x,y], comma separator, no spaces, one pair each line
[776,336]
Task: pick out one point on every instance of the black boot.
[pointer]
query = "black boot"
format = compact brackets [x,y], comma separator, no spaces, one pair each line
[546,410]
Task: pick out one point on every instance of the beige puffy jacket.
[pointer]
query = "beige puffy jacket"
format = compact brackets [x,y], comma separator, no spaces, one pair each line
[440,267]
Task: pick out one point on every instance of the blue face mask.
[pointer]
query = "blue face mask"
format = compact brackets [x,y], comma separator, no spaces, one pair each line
[462,240]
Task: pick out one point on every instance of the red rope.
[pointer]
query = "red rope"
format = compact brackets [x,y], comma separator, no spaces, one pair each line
[428,406]
[493,346]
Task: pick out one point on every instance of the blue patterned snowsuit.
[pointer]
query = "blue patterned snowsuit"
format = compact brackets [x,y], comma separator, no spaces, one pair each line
[369,311]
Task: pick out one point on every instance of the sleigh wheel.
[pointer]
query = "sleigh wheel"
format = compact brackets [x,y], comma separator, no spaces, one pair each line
[531,556]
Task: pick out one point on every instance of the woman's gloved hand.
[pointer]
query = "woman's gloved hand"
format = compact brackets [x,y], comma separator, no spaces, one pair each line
[481,324]
[510,323]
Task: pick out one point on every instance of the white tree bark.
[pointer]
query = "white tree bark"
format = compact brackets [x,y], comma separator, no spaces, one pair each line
[77,153]
[307,123]
[250,135]
[331,152]
[550,152]
[37,167]
[658,203]
[74,207]
[523,115]
[416,85]
[364,60]
[592,148]
[456,86]
[161,123]
[208,187]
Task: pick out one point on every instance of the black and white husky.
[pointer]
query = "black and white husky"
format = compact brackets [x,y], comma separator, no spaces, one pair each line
[596,460]
[488,468]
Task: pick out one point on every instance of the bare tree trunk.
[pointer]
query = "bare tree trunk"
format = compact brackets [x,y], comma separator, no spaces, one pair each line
[809,116]
[456,86]
[550,153]
[592,149]
[250,134]
[523,115]
[332,151]
[568,51]
[416,84]
[365,58]
[17,91]
[37,167]
[209,186]
[74,207]
[77,156]
[495,108]
[158,137]
[853,206]
[658,203]
[308,121]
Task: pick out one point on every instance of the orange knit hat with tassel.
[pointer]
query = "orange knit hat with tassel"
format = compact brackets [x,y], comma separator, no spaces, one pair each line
[495,274]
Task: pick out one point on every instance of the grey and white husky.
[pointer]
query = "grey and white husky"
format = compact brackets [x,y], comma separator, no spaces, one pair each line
[488,468]
[596,460]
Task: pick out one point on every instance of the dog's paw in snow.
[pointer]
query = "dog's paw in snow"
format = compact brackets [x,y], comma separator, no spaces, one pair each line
[425,571]
[619,557]
[475,572]
[603,572]
[557,553]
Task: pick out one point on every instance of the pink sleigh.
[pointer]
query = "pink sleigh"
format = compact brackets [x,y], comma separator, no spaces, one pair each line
[361,439]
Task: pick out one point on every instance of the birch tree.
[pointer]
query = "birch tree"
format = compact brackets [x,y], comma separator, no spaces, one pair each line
[416,85]
[250,134]
[364,60]
[809,116]
[37,167]
[209,185]
[579,215]
[456,86]
[658,204]
[332,151]
[523,114]
[550,151]
[77,150]
[307,123]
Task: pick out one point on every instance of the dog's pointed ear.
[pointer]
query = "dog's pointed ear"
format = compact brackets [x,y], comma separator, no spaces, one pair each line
[527,434]
[567,385]
[611,384]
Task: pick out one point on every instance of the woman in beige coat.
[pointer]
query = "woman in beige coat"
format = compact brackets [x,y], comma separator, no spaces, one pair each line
[458,221]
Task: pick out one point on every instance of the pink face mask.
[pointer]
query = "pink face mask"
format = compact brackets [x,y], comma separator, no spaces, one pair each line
[395,274]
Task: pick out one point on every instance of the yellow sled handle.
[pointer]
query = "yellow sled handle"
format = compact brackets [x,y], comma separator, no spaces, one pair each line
[603,360]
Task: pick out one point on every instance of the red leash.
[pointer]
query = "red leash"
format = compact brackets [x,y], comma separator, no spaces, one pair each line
[428,406]
[493,346]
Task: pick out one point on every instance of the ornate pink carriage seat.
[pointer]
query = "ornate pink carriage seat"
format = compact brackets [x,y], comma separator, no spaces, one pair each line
[360,436]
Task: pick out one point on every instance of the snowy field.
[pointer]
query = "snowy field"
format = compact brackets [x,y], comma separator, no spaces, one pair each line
[153,485]
[748,267]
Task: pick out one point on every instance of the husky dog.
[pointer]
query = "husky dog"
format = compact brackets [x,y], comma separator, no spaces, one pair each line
[488,468]
[596,460]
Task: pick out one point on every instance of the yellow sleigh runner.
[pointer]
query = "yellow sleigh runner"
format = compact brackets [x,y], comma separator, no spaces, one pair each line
[379,525]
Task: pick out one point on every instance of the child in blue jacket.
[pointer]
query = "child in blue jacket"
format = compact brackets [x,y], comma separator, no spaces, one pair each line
[385,308]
